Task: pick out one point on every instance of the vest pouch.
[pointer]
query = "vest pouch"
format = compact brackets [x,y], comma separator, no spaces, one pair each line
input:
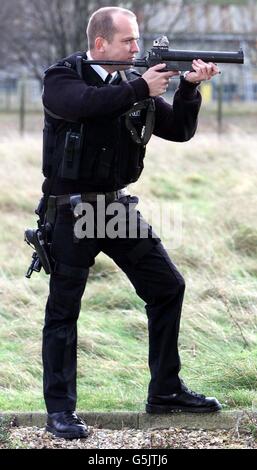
[131,162]
[137,163]
[71,155]
[104,164]
[49,141]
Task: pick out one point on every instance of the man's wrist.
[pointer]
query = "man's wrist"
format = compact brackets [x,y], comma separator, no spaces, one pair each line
[188,90]
[185,74]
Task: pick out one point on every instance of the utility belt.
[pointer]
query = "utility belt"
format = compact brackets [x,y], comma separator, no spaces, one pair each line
[73,199]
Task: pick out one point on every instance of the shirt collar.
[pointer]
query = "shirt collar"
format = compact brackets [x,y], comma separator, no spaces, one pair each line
[100,70]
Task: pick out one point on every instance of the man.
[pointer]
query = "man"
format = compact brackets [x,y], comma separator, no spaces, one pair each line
[94,145]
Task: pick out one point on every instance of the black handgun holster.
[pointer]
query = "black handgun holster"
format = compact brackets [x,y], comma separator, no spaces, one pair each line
[40,239]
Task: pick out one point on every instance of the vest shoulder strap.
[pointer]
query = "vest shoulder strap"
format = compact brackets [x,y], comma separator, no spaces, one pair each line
[72,62]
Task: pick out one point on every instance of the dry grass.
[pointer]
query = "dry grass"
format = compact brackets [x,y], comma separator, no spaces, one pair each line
[212,182]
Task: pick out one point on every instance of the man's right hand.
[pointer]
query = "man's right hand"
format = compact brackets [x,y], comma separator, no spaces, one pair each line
[157,80]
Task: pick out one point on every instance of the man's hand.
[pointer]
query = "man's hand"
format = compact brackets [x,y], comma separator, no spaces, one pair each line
[157,80]
[202,71]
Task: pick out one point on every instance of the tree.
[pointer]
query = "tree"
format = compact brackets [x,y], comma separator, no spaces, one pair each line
[6,15]
[38,32]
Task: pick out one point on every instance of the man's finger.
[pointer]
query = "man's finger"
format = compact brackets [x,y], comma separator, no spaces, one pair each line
[159,66]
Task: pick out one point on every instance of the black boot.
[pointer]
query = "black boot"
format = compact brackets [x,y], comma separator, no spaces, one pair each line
[185,400]
[66,424]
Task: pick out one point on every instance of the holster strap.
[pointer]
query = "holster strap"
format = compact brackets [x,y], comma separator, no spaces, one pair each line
[51,210]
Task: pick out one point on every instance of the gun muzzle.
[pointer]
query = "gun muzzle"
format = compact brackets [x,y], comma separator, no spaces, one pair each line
[35,265]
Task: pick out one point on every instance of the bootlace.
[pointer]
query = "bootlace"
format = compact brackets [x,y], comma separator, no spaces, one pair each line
[195,394]
[72,418]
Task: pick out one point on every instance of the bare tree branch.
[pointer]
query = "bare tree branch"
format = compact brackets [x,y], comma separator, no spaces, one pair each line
[39,32]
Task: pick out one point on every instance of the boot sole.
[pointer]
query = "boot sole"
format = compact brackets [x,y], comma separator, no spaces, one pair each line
[165,409]
[67,435]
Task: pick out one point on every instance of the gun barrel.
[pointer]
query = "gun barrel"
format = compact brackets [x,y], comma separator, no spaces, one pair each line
[175,55]
[228,57]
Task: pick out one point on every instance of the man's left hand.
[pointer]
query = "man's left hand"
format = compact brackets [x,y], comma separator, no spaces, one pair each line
[202,71]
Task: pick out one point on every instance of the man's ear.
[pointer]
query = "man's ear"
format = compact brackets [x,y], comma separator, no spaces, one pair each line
[100,44]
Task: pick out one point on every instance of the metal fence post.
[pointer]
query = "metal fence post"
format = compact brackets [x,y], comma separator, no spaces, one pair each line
[220,107]
[22,109]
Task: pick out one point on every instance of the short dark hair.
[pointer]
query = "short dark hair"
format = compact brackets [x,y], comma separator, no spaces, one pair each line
[101,24]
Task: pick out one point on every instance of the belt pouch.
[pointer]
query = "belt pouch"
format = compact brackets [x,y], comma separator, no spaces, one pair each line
[71,156]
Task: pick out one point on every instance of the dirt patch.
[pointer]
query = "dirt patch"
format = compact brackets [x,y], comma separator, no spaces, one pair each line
[172,438]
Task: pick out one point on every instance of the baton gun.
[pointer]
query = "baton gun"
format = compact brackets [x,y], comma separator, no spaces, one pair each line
[176,60]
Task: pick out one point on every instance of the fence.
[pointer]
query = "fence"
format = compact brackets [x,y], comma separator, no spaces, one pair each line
[23,95]
[18,92]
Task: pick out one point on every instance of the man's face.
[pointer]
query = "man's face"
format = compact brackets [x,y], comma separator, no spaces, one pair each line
[124,45]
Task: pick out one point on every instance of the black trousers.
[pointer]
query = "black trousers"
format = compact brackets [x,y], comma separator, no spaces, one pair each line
[155,279]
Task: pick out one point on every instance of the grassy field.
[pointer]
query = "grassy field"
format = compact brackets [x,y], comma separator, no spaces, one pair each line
[211,183]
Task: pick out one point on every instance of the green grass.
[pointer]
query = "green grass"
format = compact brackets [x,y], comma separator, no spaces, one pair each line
[212,182]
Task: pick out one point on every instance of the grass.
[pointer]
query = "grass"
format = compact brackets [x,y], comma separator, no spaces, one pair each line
[210,183]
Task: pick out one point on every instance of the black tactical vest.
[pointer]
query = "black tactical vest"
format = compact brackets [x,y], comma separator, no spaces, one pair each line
[105,154]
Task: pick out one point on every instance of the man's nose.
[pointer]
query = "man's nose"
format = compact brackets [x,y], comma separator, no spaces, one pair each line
[134,46]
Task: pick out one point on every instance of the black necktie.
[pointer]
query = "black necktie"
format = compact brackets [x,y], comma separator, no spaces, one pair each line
[108,78]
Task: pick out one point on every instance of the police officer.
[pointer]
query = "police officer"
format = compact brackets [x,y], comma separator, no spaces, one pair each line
[98,120]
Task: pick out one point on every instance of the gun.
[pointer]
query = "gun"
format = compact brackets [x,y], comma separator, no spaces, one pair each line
[39,239]
[41,256]
[176,60]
